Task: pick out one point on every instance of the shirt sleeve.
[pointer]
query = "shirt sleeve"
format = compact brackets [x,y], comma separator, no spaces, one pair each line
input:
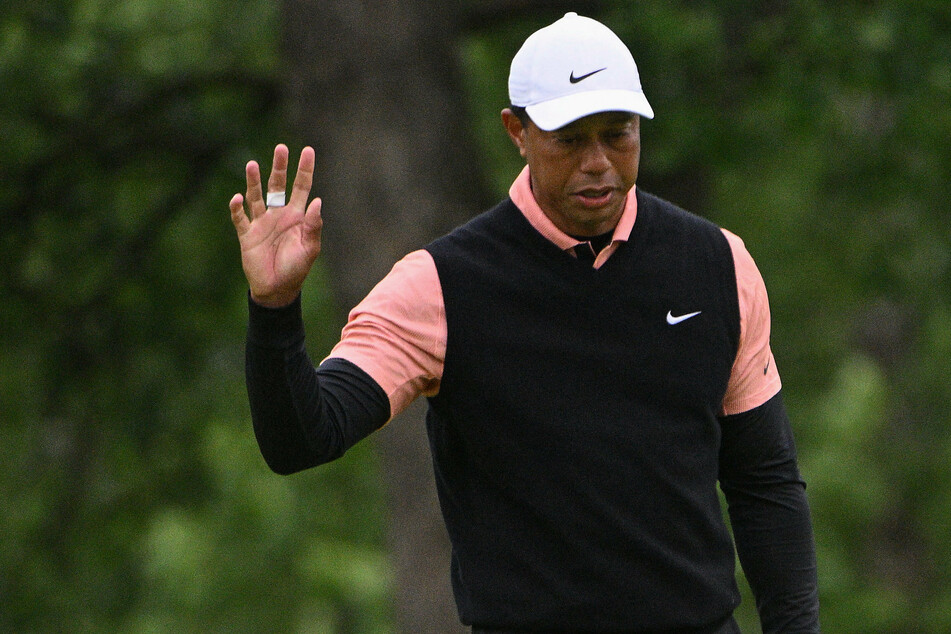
[769,513]
[303,416]
[397,334]
[755,377]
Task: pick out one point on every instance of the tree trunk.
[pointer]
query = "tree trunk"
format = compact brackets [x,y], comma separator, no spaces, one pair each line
[373,87]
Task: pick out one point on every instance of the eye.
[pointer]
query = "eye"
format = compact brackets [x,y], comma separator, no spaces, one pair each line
[620,136]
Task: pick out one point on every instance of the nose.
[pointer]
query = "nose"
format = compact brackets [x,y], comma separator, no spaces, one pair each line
[594,157]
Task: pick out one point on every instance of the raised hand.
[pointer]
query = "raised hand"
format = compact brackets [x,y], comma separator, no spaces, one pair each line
[278,244]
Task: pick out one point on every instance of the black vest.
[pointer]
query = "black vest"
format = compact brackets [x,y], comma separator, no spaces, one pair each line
[575,434]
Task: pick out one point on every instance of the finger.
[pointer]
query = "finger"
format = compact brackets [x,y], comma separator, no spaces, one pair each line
[313,226]
[277,182]
[304,178]
[254,197]
[238,217]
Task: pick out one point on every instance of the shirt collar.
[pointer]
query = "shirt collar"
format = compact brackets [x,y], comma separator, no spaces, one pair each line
[521,194]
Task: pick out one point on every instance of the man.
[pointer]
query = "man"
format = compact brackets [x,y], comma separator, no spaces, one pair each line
[596,360]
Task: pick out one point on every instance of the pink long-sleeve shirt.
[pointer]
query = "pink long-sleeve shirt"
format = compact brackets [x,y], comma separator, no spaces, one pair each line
[397,334]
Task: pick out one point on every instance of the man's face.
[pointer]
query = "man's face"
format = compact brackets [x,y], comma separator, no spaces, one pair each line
[581,173]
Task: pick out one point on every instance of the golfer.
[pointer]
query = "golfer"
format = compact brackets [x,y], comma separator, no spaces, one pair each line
[596,362]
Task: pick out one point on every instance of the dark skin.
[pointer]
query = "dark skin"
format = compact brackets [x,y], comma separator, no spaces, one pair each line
[580,173]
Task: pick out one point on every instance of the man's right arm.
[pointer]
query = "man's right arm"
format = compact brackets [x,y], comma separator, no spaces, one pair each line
[390,353]
[304,416]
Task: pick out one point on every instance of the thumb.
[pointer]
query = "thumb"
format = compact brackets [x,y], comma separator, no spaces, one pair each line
[313,223]
[238,217]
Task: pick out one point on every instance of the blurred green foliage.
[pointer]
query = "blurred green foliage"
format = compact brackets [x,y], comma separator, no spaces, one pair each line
[133,495]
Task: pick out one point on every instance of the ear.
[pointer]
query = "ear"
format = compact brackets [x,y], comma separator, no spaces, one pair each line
[516,131]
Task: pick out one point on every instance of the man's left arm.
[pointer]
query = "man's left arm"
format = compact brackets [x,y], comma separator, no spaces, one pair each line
[759,474]
[769,513]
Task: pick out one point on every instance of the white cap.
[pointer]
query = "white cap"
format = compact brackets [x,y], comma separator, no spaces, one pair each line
[574,68]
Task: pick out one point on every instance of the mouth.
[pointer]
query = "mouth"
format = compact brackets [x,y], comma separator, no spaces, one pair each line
[594,197]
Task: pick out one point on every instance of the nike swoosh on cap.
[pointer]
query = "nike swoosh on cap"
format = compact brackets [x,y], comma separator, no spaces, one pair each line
[575,80]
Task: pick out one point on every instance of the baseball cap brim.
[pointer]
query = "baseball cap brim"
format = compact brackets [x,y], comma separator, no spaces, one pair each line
[559,112]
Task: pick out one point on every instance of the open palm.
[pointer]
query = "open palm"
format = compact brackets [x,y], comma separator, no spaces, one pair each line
[278,244]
